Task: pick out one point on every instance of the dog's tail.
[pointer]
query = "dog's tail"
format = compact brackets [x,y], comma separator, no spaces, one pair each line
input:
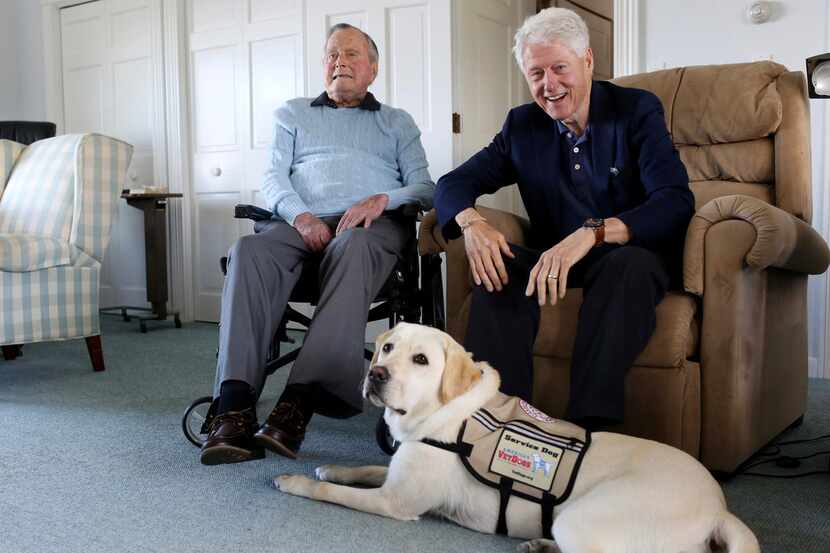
[731,535]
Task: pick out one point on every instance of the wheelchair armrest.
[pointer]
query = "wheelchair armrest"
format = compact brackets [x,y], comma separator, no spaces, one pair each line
[409,210]
[248,211]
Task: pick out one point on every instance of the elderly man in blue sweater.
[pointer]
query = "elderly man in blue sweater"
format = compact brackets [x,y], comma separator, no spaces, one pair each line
[339,162]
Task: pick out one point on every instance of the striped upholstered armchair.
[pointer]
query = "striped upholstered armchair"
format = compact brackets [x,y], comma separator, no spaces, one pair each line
[57,204]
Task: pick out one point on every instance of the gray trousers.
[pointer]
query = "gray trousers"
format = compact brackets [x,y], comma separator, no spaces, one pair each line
[262,271]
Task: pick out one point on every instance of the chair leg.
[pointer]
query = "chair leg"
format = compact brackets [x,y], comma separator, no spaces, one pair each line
[96,352]
[11,352]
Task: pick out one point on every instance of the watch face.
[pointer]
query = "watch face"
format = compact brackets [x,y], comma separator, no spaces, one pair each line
[593,223]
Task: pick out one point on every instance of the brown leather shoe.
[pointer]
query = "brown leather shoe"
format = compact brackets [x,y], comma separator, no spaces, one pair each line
[284,429]
[230,439]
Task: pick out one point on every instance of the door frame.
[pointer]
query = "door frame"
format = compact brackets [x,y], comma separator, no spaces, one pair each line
[627,51]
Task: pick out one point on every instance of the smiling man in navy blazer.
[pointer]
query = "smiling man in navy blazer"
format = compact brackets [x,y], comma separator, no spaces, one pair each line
[608,200]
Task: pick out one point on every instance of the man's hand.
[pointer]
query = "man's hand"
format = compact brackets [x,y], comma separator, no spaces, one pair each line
[549,277]
[484,246]
[365,211]
[314,232]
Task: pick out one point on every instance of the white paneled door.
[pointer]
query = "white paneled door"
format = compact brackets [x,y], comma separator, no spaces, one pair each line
[415,74]
[110,68]
[247,57]
[487,80]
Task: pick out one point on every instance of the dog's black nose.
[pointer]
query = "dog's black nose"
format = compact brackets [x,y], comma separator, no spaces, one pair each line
[378,374]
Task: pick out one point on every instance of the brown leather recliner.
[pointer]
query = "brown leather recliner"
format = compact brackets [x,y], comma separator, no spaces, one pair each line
[726,369]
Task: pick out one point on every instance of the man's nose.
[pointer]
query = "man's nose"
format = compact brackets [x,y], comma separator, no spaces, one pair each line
[379,374]
[550,81]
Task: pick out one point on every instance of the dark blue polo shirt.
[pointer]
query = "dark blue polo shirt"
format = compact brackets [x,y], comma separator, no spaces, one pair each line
[576,177]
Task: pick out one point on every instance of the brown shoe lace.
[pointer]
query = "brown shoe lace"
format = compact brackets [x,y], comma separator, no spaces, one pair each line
[288,415]
[242,420]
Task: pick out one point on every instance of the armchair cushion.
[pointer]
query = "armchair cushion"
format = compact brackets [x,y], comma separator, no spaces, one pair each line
[63,188]
[674,340]
[727,103]
[26,252]
[715,104]
[40,195]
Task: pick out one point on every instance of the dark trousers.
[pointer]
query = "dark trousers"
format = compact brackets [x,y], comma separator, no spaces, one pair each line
[621,290]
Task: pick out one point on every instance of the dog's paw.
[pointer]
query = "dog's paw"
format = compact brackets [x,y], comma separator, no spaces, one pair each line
[538,546]
[294,484]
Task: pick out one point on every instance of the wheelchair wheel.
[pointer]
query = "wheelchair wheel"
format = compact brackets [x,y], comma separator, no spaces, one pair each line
[193,421]
[385,440]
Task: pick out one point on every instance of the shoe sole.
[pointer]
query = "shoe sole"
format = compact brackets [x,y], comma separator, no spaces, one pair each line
[273,445]
[226,454]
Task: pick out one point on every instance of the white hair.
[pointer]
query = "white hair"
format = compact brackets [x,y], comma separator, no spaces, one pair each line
[552,25]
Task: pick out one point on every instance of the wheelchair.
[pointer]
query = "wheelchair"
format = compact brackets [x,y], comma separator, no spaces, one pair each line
[413,292]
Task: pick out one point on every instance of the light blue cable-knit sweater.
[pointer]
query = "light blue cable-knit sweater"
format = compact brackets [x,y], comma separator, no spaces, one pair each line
[324,160]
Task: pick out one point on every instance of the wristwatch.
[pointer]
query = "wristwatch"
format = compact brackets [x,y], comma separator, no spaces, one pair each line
[598,226]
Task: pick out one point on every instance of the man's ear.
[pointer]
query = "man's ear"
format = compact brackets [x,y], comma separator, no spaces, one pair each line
[589,59]
[460,373]
[379,343]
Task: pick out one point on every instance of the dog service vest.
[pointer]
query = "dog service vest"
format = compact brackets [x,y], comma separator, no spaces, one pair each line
[510,445]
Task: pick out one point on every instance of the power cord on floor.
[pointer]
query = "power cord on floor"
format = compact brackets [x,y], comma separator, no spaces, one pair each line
[774,452]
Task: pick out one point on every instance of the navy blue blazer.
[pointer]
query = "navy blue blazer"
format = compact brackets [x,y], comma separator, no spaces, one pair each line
[637,173]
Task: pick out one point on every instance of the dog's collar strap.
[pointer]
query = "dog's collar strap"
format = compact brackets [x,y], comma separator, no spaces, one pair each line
[462,449]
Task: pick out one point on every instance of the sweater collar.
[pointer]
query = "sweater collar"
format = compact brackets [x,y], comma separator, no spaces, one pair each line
[369,102]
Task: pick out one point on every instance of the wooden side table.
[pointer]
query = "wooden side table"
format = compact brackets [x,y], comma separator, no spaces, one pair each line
[154,206]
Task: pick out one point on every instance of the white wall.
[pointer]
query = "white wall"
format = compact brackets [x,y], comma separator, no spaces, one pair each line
[23,86]
[8,61]
[31,82]
[678,32]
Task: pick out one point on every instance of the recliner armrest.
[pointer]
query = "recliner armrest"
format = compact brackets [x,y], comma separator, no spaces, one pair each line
[514,228]
[781,239]
[430,240]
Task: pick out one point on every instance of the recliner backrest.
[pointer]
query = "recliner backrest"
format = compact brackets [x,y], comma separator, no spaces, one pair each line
[739,128]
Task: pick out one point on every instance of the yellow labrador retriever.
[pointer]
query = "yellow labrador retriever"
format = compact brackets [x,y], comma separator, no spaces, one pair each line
[630,495]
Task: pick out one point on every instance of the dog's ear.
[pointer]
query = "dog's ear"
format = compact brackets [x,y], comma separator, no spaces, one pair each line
[378,343]
[460,373]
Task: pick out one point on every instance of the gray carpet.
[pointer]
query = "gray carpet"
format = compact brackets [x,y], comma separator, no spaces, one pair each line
[98,463]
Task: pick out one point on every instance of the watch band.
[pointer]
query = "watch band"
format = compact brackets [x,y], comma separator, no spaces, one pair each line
[598,226]
[599,235]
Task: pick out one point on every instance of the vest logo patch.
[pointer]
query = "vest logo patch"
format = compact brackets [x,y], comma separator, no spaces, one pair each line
[526,460]
[533,412]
